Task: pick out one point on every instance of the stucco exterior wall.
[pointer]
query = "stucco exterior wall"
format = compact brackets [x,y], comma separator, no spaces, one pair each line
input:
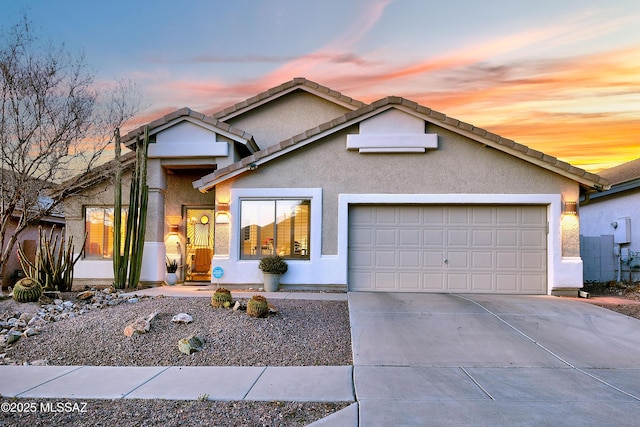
[289,115]
[457,166]
[89,271]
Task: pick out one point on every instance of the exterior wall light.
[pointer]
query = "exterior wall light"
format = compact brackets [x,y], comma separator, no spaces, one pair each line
[570,208]
[173,230]
[222,213]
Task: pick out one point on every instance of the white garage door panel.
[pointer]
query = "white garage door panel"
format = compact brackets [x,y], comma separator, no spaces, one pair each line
[448,248]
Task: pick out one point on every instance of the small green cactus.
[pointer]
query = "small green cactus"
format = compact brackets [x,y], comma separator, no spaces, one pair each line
[221,298]
[257,306]
[27,290]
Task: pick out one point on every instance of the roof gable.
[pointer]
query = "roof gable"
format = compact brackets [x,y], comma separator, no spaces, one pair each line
[199,119]
[298,83]
[480,135]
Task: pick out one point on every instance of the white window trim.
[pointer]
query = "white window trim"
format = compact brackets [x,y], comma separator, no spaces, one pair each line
[315,220]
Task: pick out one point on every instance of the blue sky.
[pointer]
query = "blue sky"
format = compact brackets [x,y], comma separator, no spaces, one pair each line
[560,76]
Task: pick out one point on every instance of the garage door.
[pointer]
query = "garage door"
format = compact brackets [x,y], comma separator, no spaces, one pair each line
[459,249]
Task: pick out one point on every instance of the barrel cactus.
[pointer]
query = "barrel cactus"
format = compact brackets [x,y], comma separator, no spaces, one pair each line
[27,290]
[257,306]
[221,298]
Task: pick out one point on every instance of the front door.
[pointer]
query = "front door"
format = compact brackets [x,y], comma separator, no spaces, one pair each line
[199,247]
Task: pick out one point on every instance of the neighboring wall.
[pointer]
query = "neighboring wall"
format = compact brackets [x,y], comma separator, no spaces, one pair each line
[29,240]
[596,224]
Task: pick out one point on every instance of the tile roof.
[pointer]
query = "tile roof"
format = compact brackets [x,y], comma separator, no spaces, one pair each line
[298,83]
[481,135]
[625,172]
[96,175]
[185,112]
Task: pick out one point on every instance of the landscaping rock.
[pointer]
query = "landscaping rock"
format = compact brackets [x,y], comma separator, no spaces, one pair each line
[86,295]
[29,332]
[140,326]
[13,336]
[26,317]
[37,322]
[191,344]
[182,318]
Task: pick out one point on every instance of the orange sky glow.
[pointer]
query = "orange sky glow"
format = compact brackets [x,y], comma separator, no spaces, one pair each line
[583,108]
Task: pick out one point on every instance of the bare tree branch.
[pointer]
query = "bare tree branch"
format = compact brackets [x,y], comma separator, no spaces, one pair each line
[55,123]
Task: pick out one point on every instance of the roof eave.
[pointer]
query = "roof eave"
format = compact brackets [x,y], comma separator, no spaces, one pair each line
[186,114]
[582,177]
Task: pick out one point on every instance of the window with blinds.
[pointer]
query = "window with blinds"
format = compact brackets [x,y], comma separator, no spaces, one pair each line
[270,227]
[99,229]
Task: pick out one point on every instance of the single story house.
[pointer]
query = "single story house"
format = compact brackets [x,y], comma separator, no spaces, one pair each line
[610,227]
[387,196]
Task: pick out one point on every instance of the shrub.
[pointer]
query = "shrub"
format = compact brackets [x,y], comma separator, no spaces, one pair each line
[273,264]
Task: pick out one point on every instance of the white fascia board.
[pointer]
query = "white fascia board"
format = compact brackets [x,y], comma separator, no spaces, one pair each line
[202,124]
[189,150]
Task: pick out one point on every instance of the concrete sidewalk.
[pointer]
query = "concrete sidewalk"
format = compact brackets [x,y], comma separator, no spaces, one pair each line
[226,383]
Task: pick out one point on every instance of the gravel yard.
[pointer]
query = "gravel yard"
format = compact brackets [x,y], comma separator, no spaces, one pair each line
[301,333]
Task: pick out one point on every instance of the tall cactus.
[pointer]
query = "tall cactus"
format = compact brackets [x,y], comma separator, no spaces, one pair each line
[127,263]
[54,262]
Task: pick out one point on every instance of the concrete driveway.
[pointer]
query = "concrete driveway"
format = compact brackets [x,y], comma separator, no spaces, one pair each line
[454,360]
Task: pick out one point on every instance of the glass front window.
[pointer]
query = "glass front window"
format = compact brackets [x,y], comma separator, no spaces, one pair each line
[275,227]
[99,229]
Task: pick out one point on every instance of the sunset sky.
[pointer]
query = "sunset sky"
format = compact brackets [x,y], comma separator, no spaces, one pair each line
[560,76]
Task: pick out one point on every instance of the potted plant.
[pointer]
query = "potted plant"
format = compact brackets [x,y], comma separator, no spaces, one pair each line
[273,267]
[172,267]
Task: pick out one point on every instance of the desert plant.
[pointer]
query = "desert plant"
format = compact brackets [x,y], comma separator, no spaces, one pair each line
[172,265]
[257,306]
[54,262]
[273,264]
[127,260]
[27,290]
[221,298]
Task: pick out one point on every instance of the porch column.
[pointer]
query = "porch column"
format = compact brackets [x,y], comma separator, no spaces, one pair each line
[153,267]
